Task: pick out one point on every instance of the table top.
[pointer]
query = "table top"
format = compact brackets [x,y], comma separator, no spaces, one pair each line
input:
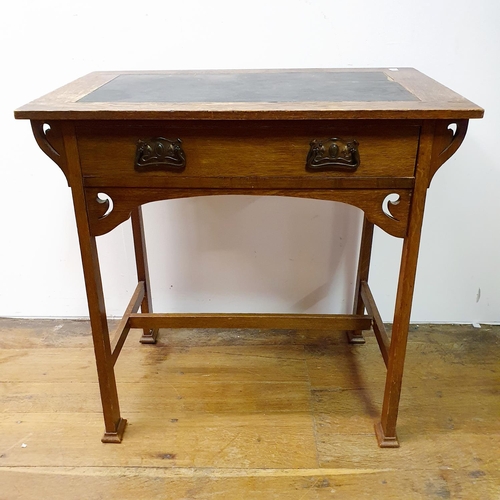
[253,94]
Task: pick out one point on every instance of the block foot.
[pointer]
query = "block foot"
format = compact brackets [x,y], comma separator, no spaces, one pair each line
[383,440]
[150,337]
[115,437]
[355,337]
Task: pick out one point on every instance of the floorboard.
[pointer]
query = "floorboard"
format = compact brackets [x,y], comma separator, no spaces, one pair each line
[248,414]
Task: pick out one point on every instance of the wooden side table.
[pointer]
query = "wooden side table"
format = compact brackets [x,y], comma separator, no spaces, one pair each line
[372,138]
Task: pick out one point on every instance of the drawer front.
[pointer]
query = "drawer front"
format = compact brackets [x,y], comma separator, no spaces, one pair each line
[174,154]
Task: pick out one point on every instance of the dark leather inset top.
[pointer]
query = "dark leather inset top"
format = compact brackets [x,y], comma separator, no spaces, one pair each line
[287,86]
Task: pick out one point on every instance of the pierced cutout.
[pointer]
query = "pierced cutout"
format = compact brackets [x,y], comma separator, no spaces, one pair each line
[447,140]
[49,138]
[44,135]
[390,199]
[105,200]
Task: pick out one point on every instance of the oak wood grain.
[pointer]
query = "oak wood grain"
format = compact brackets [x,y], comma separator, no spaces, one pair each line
[233,150]
[371,201]
[434,102]
[385,132]
[241,320]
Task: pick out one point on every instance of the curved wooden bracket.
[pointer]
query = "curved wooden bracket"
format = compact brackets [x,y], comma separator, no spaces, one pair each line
[386,208]
[50,140]
[446,142]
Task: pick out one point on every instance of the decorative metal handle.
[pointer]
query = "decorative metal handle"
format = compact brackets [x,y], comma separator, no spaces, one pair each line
[160,154]
[333,155]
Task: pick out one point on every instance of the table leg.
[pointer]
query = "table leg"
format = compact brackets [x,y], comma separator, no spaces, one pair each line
[114,423]
[149,334]
[365,252]
[386,428]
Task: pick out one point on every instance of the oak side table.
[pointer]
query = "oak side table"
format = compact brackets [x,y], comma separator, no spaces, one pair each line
[372,138]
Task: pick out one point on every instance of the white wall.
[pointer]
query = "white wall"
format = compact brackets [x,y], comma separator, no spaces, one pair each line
[250,254]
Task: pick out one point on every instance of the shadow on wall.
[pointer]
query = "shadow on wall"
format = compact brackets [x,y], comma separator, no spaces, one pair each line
[252,254]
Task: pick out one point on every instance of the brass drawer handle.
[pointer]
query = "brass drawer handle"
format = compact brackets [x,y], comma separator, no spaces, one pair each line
[333,155]
[160,154]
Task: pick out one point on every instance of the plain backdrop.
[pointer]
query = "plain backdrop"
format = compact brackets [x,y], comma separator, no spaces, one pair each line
[250,254]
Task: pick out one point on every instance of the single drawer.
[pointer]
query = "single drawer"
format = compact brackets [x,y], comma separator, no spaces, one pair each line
[236,153]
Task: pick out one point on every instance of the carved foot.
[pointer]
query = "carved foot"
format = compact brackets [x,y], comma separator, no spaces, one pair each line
[385,441]
[354,337]
[115,437]
[149,337]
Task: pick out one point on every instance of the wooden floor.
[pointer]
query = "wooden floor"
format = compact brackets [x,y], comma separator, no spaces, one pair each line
[248,415]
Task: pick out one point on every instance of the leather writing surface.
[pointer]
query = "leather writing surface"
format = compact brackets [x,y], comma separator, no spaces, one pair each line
[284,86]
